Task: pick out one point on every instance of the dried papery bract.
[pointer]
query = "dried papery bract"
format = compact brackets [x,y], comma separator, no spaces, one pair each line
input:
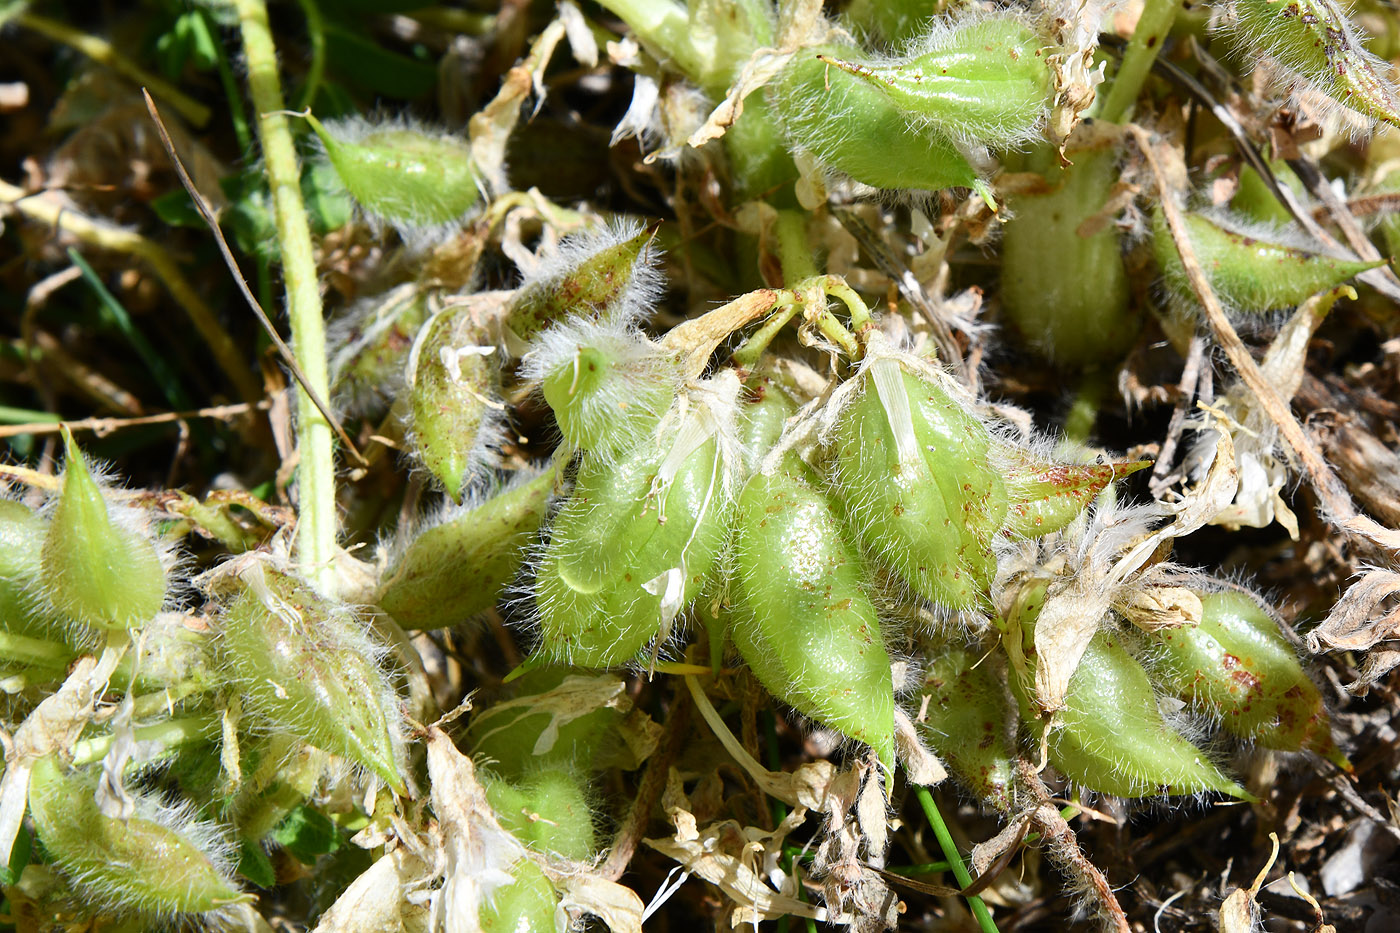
[913,469]
[452,379]
[633,545]
[458,566]
[1247,267]
[304,665]
[402,174]
[370,343]
[1320,48]
[1237,665]
[555,719]
[802,618]
[97,570]
[159,864]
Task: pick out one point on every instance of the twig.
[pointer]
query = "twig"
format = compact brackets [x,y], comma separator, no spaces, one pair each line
[1382,279]
[104,426]
[1186,389]
[1334,496]
[649,791]
[97,234]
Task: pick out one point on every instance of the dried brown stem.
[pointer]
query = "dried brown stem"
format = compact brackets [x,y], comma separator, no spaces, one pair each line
[630,834]
[104,426]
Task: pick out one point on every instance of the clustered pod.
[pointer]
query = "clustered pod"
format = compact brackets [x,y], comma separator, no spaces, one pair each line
[303,664]
[970,721]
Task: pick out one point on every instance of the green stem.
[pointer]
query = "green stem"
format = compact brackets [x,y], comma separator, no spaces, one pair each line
[950,851]
[1084,410]
[1151,32]
[794,249]
[104,53]
[236,115]
[316,34]
[787,307]
[316,471]
[169,733]
[22,650]
[665,26]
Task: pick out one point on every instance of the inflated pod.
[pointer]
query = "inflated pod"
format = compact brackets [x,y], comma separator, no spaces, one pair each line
[1045,495]
[305,665]
[372,342]
[459,567]
[452,379]
[914,472]
[23,611]
[516,738]
[1237,665]
[527,904]
[1110,736]
[1067,293]
[801,618]
[971,723]
[546,810]
[599,273]
[1249,272]
[159,863]
[403,175]
[96,570]
[608,386]
[1317,42]
[638,538]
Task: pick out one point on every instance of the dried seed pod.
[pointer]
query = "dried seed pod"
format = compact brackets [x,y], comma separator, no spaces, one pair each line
[602,272]
[526,905]
[801,617]
[1045,495]
[457,567]
[1237,665]
[607,385]
[914,472]
[160,863]
[402,174]
[305,665]
[637,539]
[546,810]
[97,571]
[1322,48]
[1065,288]
[452,379]
[1111,737]
[1247,268]
[971,723]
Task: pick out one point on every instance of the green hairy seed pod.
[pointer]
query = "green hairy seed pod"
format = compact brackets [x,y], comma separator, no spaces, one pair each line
[1237,665]
[918,486]
[1111,736]
[547,811]
[374,340]
[986,81]
[633,546]
[1067,293]
[402,175]
[1248,273]
[593,273]
[141,865]
[526,905]
[22,610]
[458,568]
[96,571]
[967,721]
[801,617]
[512,740]
[610,391]
[849,125]
[1256,201]
[1317,41]
[452,380]
[305,665]
[1044,496]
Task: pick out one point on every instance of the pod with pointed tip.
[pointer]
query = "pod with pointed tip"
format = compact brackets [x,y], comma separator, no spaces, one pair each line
[23,611]
[304,665]
[546,810]
[403,175]
[1045,495]
[597,273]
[610,393]
[631,548]
[458,568]
[452,379]
[526,905]
[914,474]
[1247,273]
[96,571]
[1317,41]
[132,866]
[971,724]
[801,618]
[1237,665]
